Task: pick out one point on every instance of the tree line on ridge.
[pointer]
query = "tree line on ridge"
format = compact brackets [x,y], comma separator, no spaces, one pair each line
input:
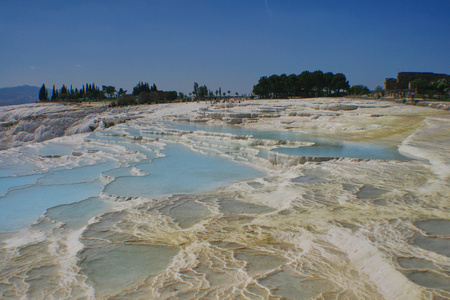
[86,92]
[142,93]
[306,84]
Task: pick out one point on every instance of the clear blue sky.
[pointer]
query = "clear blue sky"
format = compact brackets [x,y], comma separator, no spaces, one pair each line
[228,43]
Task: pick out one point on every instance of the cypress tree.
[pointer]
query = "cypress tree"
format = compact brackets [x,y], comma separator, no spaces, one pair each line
[43,93]
[53,93]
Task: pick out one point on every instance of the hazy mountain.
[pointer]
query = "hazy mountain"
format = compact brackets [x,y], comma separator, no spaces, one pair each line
[18,95]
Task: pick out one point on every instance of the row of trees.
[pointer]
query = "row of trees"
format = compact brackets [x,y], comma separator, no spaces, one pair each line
[359,90]
[142,93]
[202,92]
[142,87]
[306,84]
[87,92]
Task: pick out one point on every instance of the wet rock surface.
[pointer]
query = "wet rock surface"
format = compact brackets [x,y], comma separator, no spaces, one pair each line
[23,124]
[337,228]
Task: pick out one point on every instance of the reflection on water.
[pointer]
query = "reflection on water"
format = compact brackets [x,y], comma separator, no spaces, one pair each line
[180,171]
[322,147]
[180,210]
[353,150]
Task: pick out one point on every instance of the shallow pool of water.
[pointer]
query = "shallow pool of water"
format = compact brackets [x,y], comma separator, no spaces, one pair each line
[322,148]
[299,234]
[352,150]
[23,199]
[180,171]
[21,207]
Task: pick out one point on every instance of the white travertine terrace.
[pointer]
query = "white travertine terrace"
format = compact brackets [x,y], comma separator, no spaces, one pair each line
[310,228]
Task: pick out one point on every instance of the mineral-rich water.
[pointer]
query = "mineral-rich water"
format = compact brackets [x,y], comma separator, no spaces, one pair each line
[321,147]
[180,210]
[346,149]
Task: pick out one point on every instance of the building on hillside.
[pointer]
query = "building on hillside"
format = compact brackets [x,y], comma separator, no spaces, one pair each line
[403,81]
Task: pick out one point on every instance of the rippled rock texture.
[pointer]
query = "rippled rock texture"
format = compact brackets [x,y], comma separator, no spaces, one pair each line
[127,221]
[40,122]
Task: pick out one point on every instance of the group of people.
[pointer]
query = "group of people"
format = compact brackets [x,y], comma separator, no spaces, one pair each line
[403,95]
[227,100]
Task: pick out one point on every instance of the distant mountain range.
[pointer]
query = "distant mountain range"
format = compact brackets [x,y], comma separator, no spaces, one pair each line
[18,95]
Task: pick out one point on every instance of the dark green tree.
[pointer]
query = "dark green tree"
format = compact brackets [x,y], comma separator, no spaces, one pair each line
[202,92]
[147,97]
[359,90]
[318,82]
[195,91]
[121,92]
[292,86]
[109,90]
[340,83]
[54,95]
[141,87]
[262,88]
[63,90]
[43,93]
[420,85]
[328,81]
[171,96]
[440,87]
[305,83]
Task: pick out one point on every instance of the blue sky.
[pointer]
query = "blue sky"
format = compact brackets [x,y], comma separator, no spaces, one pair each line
[228,44]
